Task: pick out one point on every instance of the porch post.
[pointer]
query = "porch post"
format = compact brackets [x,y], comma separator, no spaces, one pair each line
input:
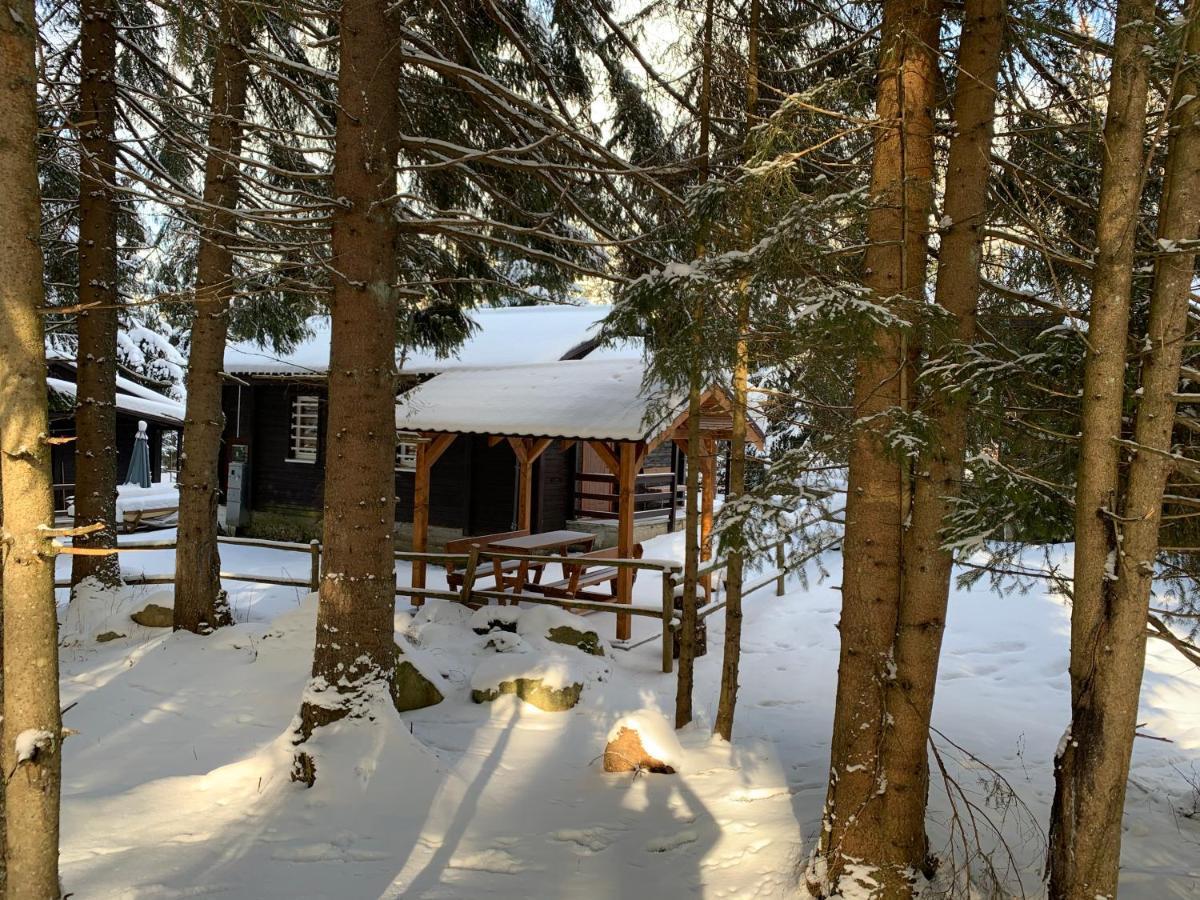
[428,453]
[527,452]
[420,539]
[708,493]
[627,467]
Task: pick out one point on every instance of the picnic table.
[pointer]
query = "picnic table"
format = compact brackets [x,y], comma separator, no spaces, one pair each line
[560,541]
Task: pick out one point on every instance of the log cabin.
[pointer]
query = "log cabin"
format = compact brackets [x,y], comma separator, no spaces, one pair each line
[137,401]
[275,412]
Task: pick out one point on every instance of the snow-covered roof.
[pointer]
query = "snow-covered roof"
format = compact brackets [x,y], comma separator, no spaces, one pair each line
[133,399]
[581,399]
[506,336]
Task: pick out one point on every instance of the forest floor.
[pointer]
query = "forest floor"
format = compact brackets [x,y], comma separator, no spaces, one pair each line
[176,783]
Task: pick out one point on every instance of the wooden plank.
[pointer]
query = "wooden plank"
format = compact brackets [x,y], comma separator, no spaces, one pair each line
[708,495]
[420,515]
[626,479]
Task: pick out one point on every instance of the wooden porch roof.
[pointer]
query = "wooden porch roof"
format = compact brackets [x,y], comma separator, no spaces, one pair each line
[576,400]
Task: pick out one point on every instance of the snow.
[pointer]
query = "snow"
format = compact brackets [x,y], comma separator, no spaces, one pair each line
[581,399]
[133,498]
[163,409]
[506,336]
[177,780]
[30,741]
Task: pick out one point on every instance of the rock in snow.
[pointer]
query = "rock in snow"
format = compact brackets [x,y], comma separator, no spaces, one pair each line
[154,616]
[642,741]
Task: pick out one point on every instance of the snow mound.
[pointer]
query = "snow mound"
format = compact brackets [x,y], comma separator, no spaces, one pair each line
[489,618]
[657,736]
[96,611]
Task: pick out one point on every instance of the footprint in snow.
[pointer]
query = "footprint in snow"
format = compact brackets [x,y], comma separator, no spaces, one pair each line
[670,842]
[586,841]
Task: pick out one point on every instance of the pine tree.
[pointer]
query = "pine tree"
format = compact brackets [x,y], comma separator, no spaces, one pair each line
[938,471]
[357,662]
[96,356]
[1118,514]
[32,729]
[199,598]
[877,501]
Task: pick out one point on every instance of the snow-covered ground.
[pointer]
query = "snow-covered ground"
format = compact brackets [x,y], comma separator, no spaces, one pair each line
[177,782]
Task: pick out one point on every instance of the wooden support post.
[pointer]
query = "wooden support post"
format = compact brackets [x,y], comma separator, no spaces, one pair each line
[527,450]
[314,575]
[626,487]
[708,496]
[668,616]
[428,452]
[420,541]
[468,584]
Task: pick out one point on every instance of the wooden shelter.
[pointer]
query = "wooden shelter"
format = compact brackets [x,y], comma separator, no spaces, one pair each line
[600,403]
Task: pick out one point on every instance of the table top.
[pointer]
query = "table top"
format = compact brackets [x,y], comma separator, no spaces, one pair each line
[545,541]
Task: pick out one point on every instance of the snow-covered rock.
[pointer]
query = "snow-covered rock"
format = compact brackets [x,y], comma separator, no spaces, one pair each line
[642,741]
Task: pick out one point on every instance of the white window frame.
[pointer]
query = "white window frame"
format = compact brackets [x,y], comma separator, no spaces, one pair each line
[406,453]
[304,432]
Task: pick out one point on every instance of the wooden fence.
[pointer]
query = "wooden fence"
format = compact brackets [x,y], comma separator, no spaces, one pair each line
[671,574]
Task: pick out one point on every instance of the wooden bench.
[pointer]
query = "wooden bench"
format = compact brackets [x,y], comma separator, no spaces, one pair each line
[588,570]
[454,578]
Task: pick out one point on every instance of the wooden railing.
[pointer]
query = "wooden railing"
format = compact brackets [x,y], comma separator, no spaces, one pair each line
[312,549]
[670,571]
[646,503]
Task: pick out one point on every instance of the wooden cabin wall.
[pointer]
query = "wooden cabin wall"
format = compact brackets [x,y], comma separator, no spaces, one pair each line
[450,485]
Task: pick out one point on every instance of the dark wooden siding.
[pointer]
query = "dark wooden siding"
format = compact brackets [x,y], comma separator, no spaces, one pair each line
[266,422]
[493,486]
[554,478]
[449,487]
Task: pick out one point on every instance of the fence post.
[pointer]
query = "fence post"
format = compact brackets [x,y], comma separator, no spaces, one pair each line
[780,563]
[668,616]
[314,574]
[468,584]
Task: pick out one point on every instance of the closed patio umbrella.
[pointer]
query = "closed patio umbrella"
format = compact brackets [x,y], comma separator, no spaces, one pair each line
[139,463]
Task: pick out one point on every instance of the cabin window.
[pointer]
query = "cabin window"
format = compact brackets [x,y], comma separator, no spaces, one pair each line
[406,456]
[305,414]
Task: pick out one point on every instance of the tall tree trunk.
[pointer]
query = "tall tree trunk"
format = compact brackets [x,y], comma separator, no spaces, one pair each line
[356,657]
[734,574]
[691,539]
[30,742]
[1114,555]
[878,488]
[200,603]
[96,363]
[938,474]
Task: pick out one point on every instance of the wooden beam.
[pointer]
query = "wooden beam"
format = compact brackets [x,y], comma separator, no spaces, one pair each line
[494,439]
[519,448]
[438,445]
[626,480]
[607,455]
[535,448]
[708,495]
[420,539]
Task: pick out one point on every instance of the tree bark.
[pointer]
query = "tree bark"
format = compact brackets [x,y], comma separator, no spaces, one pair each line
[356,658]
[31,710]
[735,572]
[938,475]
[1114,556]
[200,603]
[96,359]
[691,541]
[878,486]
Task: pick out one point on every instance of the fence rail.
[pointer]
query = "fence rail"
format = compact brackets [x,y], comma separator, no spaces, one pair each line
[670,571]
